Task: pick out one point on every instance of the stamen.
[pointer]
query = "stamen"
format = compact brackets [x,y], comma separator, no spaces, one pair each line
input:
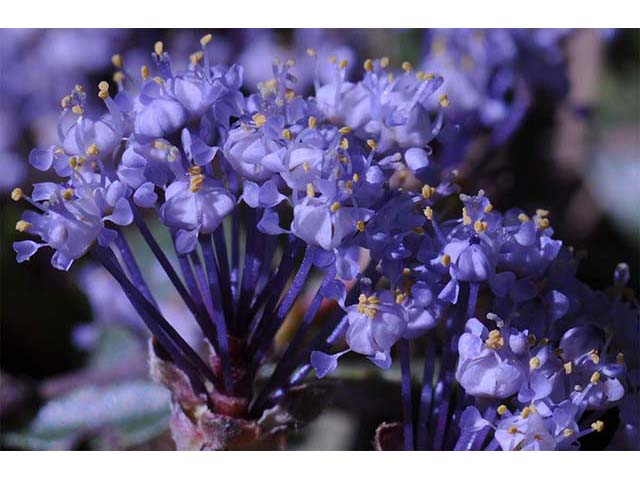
[620,358]
[103,90]
[446,260]
[68,194]
[488,208]
[345,130]
[444,100]
[480,227]
[356,177]
[512,430]
[158,48]
[502,409]
[335,206]
[534,363]
[344,143]
[196,57]
[286,134]
[568,368]
[311,190]
[523,217]
[195,184]
[595,378]
[372,144]
[118,77]
[407,67]
[598,426]
[312,122]
[427,191]
[144,71]
[595,358]
[384,62]
[368,65]
[206,39]
[77,109]
[259,119]
[343,64]
[567,432]
[16,194]
[495,340]
[428,212]
[93,150]
[312,52]
[360,225]
[116,59]
[22,226]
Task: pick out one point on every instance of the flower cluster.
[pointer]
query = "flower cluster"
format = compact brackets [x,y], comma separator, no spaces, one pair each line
[259,191]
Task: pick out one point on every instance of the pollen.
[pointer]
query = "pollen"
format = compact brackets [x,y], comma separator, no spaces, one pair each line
[311,191]
[306,167]
[542,212]
[368,305]
[523,217]
[195,170]
[116,59]
[480,227]
[567,432]
[534,363]
[335,206]
[531,339]
[287,135]
[93,150]
[144,71]
[206,39]
[118,77]
[343,64]
[158,47]
[595,358]
[595,378]
[68,194]
[512,430]
[77,109]
[446,260]
[568,368]
[356,177]
[312,52]
[196,57]
[495,340]
[195,183]
[384,62]
[368,65]
[488,208]
[344,143]
[344,130]
[543,223]
[79,88]
[259,119]
[103,90]
[360,226]
[444,100]
[66,101]
[502,409]
[427,192]
[312,122]
[428,212]
[620,358]
[22,226]
[372,144]
[400,297]
[406,271]
[526,411]
[16,194]
[407,67]
[598,425]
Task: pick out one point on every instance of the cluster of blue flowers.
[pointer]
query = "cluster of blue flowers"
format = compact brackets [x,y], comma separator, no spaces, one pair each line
[258,191]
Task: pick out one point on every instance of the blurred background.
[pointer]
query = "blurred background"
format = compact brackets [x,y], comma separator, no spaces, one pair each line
[538,119]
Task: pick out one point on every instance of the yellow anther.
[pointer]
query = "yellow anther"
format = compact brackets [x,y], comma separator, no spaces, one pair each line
[418,230]
[343,64]
[568,368]
[289,94]
[446,260]
[372,144]
[620,358]
[93,150]
[333,59]
[543,223]
[144,71]
[59,151]
[312,122]
[544,341]
[306,167]
[344,143]
[429,76]
[195,183]
[360,226]
[598,425]
[259,119]
[77,109]
[335,206]
[595,378]
[428,212]
[488,208]
[287,135]
[523,217]
[195,170]
[116,59]
[158,80]
[159,144]
[542,212]
[526,411]
[66,101]
[567,432]
[512,430]
[444,100]
[68,194]
[206,39]
[118,77]
[595,358]
[384,62]
[73,161]
[356,177]
[400,297]
[103,90]
[196,57]
[427,191]
[466,219]
[502,409]
[22,226]
[531,339]
[345,130]
[406,271]
[158,47]
[480,227]
[495,340]
[534,363]
[407,67]
[368,65]
[79,88]
[311,190]
[312,52]
[16,194]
